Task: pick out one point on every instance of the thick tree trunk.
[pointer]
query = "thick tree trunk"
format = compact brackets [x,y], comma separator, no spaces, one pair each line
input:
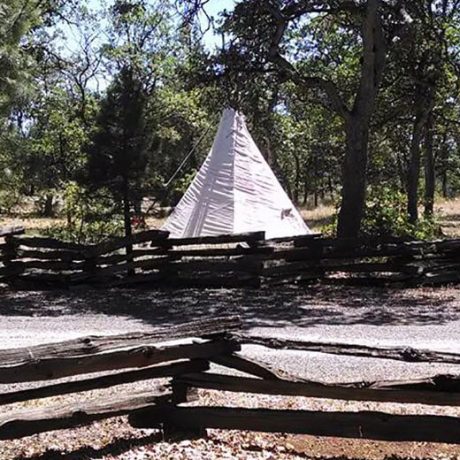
[354,177]
[430,173]
[357,123]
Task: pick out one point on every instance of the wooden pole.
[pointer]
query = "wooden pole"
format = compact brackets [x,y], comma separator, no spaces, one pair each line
[423,391]
[207,328]
[367,425]
[32,421]
[49,368]
[104,381]
[407,354]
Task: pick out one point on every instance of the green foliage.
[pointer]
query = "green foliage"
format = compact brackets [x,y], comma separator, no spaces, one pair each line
[54,151]
[17,18]
[90,218]
[181,185]
[118,156]
[90,232]
[386,215]
[9,199]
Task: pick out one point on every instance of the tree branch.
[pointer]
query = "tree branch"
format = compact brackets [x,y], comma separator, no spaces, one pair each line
[335,101]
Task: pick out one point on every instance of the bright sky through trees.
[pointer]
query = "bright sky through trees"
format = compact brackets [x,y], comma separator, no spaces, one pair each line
[70,39]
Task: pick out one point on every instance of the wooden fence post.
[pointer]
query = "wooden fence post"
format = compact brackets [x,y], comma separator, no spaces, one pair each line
[89,266]
[10,254]
[169,271]
[10,249]
[182,393]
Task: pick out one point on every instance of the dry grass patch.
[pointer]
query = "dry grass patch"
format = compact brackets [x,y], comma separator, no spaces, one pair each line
[447,212]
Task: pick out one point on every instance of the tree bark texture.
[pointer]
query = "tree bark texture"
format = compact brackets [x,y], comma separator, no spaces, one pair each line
[357,123]
[354,178]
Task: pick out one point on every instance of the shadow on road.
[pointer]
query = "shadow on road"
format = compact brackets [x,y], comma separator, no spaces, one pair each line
[306,306]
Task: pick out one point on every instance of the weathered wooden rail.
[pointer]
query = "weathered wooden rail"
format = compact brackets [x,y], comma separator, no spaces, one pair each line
[224,261]
[127,358]
[138,356]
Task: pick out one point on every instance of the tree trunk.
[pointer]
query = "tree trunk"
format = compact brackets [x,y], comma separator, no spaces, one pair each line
[127,218]
[48,206]
[297,179]
[126,209]
[413,172]
[69,218]
[315,180]
[443,158]
[354,177]
[424,100]
[402,174]
[445,189]
[305,192]
[357,123]
[430,174]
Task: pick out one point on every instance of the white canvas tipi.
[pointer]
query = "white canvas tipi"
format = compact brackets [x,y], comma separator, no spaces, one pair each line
[235,191]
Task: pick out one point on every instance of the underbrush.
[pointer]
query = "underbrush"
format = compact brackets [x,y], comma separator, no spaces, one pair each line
[385,214]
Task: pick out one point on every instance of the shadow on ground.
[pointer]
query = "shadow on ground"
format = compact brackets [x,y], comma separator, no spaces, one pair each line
[121,446]
[306,306]
[117,447]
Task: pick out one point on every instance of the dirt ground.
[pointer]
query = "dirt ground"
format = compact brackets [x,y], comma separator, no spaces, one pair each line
[422,318]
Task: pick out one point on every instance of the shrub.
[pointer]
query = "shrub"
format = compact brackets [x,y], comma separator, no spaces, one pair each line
[386,215]
[90,218]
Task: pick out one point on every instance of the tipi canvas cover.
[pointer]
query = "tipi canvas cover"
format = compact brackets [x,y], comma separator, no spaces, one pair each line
[235,191]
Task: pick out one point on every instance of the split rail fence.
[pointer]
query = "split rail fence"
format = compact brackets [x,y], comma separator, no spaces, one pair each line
[151,259]
[175,370]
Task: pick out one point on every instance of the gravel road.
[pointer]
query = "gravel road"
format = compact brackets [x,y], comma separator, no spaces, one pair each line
[421,318]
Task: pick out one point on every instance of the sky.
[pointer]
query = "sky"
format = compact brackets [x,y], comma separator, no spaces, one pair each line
[213,8]
[69,40]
